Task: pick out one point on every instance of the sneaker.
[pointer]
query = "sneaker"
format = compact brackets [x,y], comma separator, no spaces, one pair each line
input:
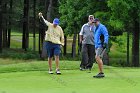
[58,71]
[50,71]
[100,75]
[82,69]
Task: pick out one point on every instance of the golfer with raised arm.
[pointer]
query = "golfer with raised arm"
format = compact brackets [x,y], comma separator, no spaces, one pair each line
[54,38]
[99,45]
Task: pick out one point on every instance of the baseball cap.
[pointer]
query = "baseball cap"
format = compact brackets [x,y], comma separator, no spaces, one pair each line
[96,19]
[56,21]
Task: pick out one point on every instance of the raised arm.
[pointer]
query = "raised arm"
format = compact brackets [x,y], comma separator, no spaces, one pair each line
[42,19]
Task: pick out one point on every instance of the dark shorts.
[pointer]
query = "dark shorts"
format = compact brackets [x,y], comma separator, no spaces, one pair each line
[52,49]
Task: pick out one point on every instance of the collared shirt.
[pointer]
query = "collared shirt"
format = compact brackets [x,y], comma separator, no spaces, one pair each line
[54,34]
[101,30]
[87,31]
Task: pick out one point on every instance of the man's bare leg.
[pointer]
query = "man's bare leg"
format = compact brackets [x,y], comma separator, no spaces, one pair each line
[57,64]
[50,65]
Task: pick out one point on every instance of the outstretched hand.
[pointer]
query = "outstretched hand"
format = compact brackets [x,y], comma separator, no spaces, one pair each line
[39,14]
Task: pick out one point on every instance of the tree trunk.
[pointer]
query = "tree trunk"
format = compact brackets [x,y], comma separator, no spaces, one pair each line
[43,51]
[139,45]
[42,26]
[9,27]
[128,47]
[135,44]
[5,36]
[25,37]
[74,45]
[1,26]
[55,9]
[49,11]
[5,27]
[65,46]
[46,8]
[34,27]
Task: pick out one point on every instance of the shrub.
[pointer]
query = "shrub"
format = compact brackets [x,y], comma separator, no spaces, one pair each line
[19,54]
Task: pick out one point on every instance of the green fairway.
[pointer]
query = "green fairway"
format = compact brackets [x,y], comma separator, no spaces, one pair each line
[33,78]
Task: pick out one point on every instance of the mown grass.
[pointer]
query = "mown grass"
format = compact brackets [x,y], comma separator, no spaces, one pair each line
[10,65]
[32,77]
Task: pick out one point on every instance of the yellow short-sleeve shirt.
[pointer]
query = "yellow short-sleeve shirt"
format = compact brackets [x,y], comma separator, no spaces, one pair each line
[54,34]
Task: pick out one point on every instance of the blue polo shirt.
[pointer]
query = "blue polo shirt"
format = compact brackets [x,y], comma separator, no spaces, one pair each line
[100,29]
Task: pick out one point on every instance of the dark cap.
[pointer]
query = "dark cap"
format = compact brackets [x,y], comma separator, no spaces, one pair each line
[96,20]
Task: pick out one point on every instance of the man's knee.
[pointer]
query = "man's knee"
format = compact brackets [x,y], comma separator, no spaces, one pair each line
[97,58]
[56,56]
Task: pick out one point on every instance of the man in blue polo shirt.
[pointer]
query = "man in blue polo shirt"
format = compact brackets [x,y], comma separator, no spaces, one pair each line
[100,45]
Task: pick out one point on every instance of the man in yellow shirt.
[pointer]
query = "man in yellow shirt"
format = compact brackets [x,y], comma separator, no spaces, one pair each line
[54,39]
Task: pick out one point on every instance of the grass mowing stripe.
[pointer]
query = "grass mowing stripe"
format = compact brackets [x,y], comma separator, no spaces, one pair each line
[36,66]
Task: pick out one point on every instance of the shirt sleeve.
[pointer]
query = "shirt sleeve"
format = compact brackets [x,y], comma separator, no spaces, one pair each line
[82,30]
[45,21]
[62,37]
[105,33]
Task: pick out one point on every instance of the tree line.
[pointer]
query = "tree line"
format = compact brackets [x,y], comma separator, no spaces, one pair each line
[118,15]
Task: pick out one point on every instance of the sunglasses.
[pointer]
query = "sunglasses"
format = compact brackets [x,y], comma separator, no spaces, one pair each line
[91,18]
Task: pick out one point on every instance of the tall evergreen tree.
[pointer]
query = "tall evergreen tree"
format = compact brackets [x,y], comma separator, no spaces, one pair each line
[25,37]
[5,24]
[10,22]
[34,23]
[1,25]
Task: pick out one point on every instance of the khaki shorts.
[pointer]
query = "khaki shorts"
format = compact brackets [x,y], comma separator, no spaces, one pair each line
[98,51]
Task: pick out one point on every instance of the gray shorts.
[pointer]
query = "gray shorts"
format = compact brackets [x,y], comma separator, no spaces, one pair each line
[98,51]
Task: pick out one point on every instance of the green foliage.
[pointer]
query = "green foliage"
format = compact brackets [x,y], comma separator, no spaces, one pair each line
[104,16]
[74,13]
[118,12]
[118,51]
[121,42]
[117,24]
[68,10]
[122,13]
[120,9]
